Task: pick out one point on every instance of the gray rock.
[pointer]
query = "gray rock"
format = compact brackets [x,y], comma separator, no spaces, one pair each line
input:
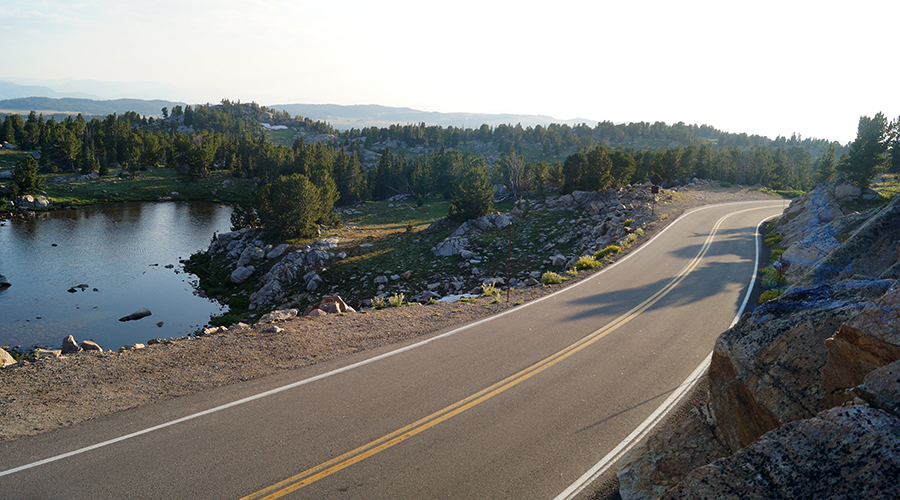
[317,257]
[664,459]
[90,345]
[131,347]
[845,190]
[241,274]
[140,313]
[249,254]
[451,246]
[315,313]
[69,346]
[843,453]
[6,358]
[425,296]
[279,315]
[312,281]
[30,201]
[380,280]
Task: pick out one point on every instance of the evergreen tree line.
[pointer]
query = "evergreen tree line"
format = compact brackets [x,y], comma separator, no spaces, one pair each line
[228,137]
[554,137]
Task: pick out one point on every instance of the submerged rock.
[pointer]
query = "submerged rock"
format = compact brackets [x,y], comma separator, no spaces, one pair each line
[141,313]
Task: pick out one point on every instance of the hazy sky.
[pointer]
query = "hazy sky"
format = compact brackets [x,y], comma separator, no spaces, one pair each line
[761,67]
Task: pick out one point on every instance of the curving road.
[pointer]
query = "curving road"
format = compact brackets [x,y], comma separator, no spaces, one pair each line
[532,403]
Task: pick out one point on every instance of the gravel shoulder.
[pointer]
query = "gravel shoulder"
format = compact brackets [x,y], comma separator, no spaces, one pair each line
[50,393]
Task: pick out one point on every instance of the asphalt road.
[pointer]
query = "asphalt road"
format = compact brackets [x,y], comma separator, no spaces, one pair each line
[518,406]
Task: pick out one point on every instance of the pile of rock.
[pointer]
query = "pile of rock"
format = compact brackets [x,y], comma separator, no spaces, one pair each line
[245,247]
[30,201]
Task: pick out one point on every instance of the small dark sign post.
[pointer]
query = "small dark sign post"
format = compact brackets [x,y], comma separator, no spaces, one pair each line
[655,180]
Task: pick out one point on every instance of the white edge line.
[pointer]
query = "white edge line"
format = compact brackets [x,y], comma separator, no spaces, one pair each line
[647,425]
[342,369]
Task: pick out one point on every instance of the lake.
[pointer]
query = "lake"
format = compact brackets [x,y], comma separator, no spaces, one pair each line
[120,251]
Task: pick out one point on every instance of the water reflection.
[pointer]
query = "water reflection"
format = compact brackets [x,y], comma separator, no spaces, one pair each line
[120,251]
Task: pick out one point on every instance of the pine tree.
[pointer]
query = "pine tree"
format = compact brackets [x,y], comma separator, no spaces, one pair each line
[825,169]
[473,194]
[25,177]
[868,153]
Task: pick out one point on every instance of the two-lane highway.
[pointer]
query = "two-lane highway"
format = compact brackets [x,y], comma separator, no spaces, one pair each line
[520,405]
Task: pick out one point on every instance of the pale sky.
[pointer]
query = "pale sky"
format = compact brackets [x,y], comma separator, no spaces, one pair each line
[762,67]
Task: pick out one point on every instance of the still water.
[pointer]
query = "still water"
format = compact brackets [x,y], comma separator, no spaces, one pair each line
[120,251]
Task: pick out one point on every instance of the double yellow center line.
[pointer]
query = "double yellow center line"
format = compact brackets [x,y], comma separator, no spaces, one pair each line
[367,450]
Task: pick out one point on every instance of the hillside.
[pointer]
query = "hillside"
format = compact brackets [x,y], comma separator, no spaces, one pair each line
[87,107]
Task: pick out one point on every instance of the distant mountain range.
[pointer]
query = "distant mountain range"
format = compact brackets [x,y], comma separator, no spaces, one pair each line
[9,90]
[87,107]
[368,115]
[338,116]
[22,99]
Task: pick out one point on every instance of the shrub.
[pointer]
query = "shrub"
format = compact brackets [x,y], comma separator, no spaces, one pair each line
[572,272]
[772,240]
[551,278]
[587,262]
[770,279]
[396,300]
[609,250]
[378,302]
[629,222]
[489,290]
[768,295]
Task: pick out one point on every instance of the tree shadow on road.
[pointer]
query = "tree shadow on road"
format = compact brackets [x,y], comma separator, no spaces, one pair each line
[711,277]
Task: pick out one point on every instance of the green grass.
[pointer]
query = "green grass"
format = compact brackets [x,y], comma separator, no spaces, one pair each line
[889,187]
[282,137]
[72,190]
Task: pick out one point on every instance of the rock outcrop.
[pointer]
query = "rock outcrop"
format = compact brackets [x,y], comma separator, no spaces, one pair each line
[851,453]
[293,267]
[767,370]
